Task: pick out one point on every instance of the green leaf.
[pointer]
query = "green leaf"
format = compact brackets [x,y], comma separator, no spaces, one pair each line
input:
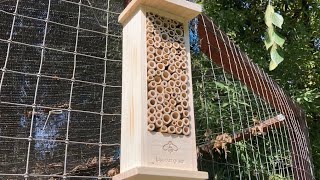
[277,19]
[268,15]
[276,58]
[220,85]
[225,105]
[267,42]
[278,39]
[274,38]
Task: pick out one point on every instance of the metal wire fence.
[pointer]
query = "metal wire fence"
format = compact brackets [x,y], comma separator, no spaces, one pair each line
[239,99]
[60,88]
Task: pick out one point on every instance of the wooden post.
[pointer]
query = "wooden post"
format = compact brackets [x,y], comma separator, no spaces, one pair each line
[158,129]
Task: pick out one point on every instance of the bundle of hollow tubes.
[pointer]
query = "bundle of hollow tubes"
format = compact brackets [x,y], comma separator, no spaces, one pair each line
[168,95]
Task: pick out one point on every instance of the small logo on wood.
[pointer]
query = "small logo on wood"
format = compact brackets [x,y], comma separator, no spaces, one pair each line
[170,147]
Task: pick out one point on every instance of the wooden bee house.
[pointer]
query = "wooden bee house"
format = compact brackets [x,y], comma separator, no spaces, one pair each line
[158,126]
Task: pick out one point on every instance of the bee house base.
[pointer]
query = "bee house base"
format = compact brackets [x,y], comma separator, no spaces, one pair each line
[147,173]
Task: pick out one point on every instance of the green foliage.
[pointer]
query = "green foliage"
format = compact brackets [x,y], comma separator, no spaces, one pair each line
[299,74]
[272,39]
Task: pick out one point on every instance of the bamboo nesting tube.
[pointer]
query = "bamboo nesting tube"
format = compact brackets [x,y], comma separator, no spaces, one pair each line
[175,45]
[151,127]
[151,111]
[166,50]
[178,83]
[171,33]
[180,71]
[175,76]
[171,84]
[150,57]
[186,121]
[179,130]
[159,89]
[174,95]
[166,119]
[182,46]
[163,129]
[157,38]
[174,123]
[172,102]
[159,52]
[150,18]
[150,36]
[158,123]
[168,44]
[175,116]
[173,51]
[166,24]
[158,22]
[183,59]
[164,37]
[178,99]
[166,75]
[172,56]
[157,79]
[160,66]
[166,58]
[151,72]
[185,104]
[150,78]
[184,96]
[177,57]
[149,24]
[158,59]
[172,25]
[150,29]
[171,68]
[171,129]
[183,87]
[157,44]
[158,73]
[185,114]
[179,32]
[162,44]
[167,110]
[184,78]
[164,83]
[158,115]
[152,85]
[177,90]
[159,107]
[178,65]
[151,119]
[150,43]
[168,90]
[152,94]
[160,99]
[180,123]
[166,103]
[166,97]
[179,108]
[166,62]
[186,131]
[157,32]
[183,65]
[151,65]
[152,102]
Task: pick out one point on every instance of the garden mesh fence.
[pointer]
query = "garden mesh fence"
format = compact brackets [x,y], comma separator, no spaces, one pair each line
[60,88]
